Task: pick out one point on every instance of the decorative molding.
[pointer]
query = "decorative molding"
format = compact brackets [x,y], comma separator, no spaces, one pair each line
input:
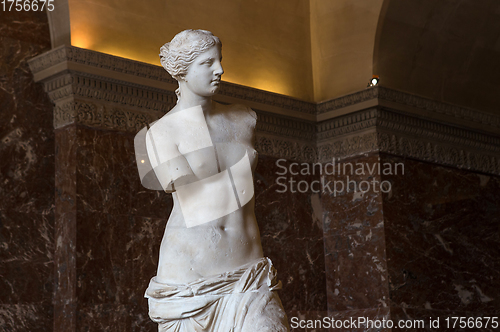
[286,127]
[347,100]
[103,103]
[266,98]
[406,99]
[438,107]
[76,55]
[416,148]
[77,85]
[107,92]
[438,153]
[390,121]
[348,146]
[92,115]
[347,124]
[407,136]
[96,60]
[279,147]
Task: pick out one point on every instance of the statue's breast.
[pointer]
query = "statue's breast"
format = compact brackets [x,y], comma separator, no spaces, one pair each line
[208,161]
[231,135]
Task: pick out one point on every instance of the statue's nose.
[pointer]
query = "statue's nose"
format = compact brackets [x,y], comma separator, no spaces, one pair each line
[218,70]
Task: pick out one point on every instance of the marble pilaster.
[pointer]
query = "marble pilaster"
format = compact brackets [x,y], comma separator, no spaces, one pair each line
[26,177]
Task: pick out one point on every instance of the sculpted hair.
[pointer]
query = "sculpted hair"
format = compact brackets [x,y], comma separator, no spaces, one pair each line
[182,50]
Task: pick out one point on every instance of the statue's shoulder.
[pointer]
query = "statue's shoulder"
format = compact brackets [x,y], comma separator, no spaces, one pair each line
[244,109]
[239,112]
[167,120]
[176,117]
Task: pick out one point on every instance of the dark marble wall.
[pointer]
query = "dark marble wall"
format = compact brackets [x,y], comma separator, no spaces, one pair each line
[442,233]
[429,247]
[292,236]
[112,228]
[355,256]
[26,177]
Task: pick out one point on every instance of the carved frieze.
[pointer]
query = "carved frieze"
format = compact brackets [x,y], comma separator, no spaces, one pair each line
[348,100]
[438,107]
[439,153]
[102,61]
[384,130]
[107,92]
[267,98]
[347,146]
[406,99]
[286,148]
[99,116]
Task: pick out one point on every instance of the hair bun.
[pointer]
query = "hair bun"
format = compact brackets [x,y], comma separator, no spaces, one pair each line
[164,51]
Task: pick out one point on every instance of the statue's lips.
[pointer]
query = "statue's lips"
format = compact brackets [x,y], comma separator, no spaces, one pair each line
[215,82]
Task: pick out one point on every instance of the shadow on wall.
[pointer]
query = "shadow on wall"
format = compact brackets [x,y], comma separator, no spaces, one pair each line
[443,50]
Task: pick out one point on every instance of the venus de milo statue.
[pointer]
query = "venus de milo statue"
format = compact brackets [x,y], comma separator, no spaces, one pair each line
[211,275]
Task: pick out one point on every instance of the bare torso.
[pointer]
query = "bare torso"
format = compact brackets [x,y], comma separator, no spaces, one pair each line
[229,242]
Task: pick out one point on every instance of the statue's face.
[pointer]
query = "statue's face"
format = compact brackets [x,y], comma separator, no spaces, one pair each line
[203,75]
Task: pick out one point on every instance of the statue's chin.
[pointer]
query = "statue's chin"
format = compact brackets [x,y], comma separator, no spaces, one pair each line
[210,92]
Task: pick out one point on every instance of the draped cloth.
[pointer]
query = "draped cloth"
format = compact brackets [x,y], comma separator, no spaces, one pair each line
[243,300]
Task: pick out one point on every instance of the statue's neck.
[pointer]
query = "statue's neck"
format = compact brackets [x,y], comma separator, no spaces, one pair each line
[191,100]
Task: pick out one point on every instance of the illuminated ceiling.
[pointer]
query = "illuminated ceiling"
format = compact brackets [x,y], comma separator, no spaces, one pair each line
[313,50]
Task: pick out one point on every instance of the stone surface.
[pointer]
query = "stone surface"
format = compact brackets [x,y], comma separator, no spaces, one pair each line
[113,243]
[291,233]
[426,248]
[375,315]
[26,177]
[65,229]
[442,237]
[355,257]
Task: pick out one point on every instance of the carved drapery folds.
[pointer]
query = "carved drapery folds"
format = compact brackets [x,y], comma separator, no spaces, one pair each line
[107,92]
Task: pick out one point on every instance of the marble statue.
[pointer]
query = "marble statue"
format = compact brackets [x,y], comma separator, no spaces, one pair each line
[211,275]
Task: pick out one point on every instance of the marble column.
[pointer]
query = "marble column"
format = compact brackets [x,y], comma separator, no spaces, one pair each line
[26,177]
[354,236]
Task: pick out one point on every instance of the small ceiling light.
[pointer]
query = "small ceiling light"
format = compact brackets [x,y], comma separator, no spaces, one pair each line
[374,81]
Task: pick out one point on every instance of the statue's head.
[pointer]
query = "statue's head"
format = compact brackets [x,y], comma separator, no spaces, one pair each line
[178,54]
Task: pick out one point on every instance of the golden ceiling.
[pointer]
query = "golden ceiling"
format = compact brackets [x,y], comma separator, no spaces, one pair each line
[313,50]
